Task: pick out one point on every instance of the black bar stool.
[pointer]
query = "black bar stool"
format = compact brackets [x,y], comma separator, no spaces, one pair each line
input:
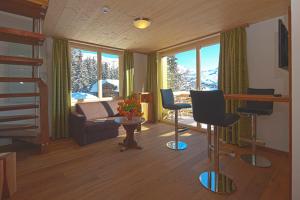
[209,108]
[168,103]
[254,109]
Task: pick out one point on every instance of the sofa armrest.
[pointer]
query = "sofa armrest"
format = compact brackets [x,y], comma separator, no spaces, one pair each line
[76,117]
[77,127]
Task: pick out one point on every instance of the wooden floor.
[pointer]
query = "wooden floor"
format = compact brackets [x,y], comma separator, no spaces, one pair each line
[101,172]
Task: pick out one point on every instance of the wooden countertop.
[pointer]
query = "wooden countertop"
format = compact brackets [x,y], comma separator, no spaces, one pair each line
[250,97]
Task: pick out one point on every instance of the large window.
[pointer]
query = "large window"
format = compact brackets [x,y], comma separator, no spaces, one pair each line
[94,75]
[194,69]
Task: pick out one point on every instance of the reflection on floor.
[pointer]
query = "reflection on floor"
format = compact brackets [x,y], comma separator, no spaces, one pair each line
[187,120]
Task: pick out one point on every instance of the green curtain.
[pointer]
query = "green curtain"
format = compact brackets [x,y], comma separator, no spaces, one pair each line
[128,73]
[61,98]
[152,82]
[233,78]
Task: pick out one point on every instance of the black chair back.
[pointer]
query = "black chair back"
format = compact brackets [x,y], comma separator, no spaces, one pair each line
[208,106]
[167,98]
[260,105]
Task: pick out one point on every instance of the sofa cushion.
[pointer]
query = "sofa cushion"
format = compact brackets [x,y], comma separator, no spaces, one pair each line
[100,125]
[98,110]
[112,107]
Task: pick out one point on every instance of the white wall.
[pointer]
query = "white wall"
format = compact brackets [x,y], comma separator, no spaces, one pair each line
[296,99]
[262,52]
[140,72]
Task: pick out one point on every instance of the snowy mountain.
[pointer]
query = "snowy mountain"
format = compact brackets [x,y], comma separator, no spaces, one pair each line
[209,79]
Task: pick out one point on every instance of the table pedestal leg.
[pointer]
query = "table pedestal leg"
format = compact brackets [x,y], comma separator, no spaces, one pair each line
[129,142]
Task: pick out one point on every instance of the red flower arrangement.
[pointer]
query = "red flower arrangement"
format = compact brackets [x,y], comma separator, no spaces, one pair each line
[130,107]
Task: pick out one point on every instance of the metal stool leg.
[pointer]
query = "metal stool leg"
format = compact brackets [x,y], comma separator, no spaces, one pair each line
[176,145]
[213,180]
[253,159]
[209,141]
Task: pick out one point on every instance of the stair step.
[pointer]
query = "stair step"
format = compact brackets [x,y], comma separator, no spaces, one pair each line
[32,140]
[18,60]
[18,79]
[18,107]
[16,118]
[25,8]
[19,95]
[19,133]
[20,36]
[11,127]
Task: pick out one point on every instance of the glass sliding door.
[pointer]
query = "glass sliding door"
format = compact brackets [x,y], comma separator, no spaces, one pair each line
[180,74]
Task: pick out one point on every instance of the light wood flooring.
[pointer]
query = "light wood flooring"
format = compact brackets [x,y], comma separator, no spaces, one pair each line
[100,171]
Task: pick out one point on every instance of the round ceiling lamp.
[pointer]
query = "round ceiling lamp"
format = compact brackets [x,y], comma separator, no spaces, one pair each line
[141,23]
[105,9]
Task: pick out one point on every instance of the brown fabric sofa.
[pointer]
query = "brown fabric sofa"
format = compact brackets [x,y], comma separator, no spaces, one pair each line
[94,121]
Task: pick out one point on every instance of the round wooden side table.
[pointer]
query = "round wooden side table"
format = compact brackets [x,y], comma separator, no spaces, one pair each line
[130,126]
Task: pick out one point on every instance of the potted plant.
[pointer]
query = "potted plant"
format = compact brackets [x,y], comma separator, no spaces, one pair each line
[130,107]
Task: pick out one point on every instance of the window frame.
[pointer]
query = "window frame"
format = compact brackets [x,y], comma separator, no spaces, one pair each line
[99,51]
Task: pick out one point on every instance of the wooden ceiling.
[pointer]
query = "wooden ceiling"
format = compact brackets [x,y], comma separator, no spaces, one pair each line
[172,21]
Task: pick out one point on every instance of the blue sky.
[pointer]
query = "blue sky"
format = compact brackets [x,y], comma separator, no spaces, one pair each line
[209,58]
[109,55]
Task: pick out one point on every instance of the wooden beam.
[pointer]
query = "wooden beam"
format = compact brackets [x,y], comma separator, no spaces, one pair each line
[20,36]
[16,117]
[18,107]
[8,127]
[12,95]
[25,8]
[17,60]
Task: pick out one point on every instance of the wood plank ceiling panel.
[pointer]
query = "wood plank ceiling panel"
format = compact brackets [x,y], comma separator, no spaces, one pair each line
[172,21]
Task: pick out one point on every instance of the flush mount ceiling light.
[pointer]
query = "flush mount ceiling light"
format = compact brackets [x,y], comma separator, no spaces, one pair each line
[141,23]
[105,9]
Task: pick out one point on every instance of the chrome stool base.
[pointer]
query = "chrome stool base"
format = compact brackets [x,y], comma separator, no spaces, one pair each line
[217,182]
[256,161]
[181,145]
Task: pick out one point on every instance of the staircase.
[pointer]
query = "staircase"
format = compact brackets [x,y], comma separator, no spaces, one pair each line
[15,122]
